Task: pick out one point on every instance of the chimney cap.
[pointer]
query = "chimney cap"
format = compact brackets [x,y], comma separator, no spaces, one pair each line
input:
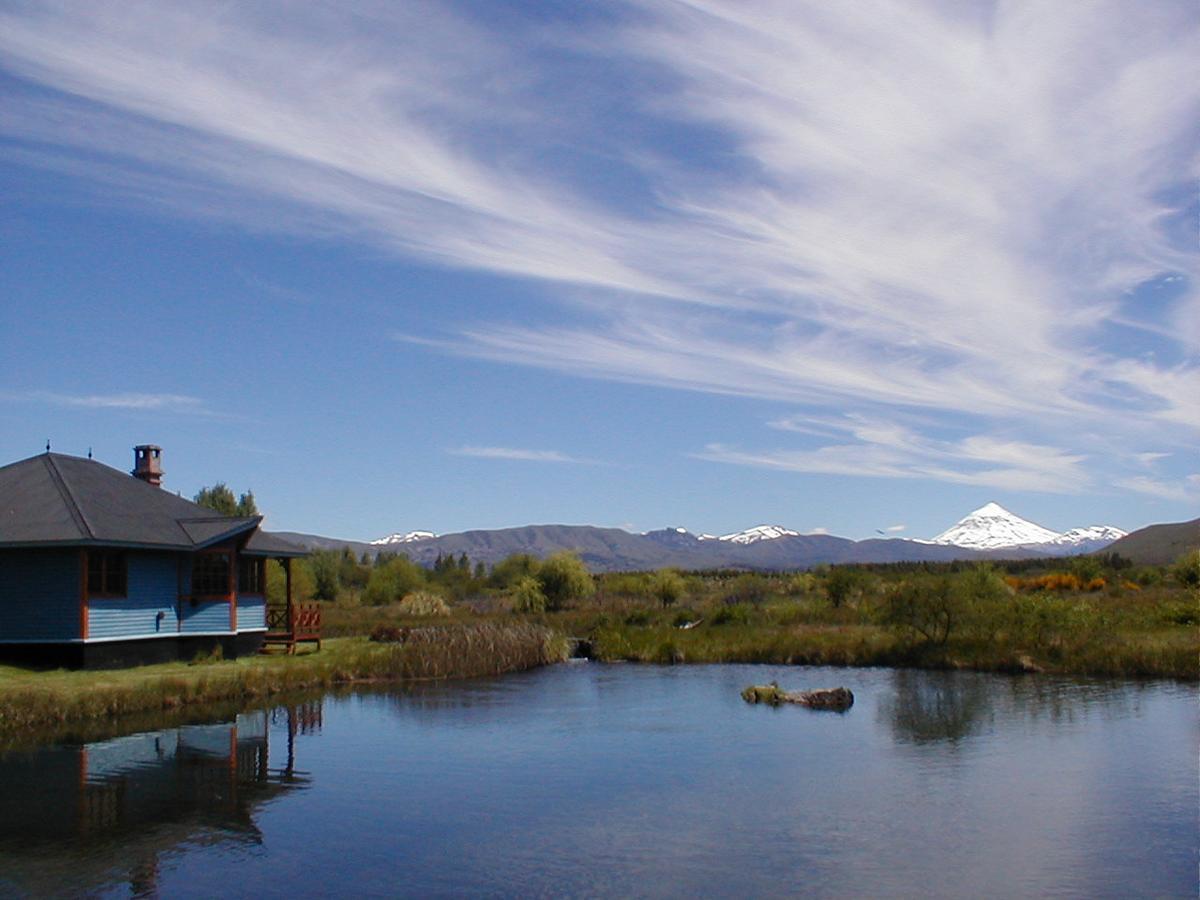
[147,464]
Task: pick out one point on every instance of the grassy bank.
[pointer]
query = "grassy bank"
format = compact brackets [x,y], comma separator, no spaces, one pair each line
[1162,653]
[30,699]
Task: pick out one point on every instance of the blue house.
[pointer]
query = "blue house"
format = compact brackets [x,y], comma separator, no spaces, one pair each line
[100,569]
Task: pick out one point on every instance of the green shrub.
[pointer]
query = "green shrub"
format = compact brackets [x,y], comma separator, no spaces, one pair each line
[925,606]
[666,586]
[1186,570]
[731,614]
[564,578]
[527,596]
[393,580]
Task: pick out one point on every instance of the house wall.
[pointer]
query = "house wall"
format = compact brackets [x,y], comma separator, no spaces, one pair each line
[251,612]
[39,595]
[152,587]
[205,617]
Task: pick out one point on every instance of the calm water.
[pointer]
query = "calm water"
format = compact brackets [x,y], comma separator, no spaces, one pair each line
[618,780]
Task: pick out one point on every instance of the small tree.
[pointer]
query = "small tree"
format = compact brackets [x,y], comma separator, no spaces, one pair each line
[666,586]
[512,569]
[841,584]
[393,580]
[927,607]
[563,578]
[325,565]
[1187,569]
[220,499]
[527,596]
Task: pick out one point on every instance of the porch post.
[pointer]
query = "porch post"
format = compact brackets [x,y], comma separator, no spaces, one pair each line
[287,574]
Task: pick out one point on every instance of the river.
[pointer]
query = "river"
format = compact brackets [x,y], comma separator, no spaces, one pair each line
[620,780]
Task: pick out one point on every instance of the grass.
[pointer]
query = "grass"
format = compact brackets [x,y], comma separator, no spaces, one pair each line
[32,699]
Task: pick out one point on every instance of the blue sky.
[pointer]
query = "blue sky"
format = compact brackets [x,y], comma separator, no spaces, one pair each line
[844,267]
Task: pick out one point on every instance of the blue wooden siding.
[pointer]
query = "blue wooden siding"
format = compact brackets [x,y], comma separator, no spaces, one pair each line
[252,612]
[205,616]
[39,595]
[108,759]
[152,586]
[208,740]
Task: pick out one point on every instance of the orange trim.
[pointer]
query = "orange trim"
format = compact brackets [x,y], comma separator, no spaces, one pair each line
[83,594]
[233,574]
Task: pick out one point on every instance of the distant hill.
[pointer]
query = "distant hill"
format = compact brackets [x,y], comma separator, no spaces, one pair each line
[614,550]
[1157,545]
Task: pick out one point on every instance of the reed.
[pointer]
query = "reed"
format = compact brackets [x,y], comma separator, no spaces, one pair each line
[31,699]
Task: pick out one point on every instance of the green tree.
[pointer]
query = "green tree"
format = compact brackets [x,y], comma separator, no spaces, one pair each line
[527,596]
[666,586]
[1187,569]
[324,565]
[841,584]
[926,606]
[391,581]
[512,569]
[564,578]
[220,498]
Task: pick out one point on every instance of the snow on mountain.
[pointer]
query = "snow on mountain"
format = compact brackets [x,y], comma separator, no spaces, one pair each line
[758,533]
[407,538]
[1105,534]
[992,527]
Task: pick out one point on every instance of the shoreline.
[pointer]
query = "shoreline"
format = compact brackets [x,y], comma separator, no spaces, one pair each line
[75,702]
[31,699]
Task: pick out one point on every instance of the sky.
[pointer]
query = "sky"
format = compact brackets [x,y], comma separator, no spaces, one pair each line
[853,268]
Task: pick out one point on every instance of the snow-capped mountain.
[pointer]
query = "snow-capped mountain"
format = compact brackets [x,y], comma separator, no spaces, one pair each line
[992,527]
[406,538]
[758,533]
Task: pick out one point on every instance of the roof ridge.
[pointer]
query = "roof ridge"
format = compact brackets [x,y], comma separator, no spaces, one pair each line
[69,498]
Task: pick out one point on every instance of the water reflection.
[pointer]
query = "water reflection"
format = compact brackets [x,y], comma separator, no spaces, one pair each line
[927,707]
[106,812]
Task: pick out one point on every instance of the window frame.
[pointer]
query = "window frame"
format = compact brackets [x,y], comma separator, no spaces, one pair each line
[109,569]
[206,555]
[259,566]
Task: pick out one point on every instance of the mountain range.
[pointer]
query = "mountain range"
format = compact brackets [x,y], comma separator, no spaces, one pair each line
[989,532]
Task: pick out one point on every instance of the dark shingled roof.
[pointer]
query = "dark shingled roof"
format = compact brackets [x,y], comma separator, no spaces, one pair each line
[56,499]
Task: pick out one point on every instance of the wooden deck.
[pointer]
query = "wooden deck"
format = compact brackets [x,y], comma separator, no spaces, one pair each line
[290,625]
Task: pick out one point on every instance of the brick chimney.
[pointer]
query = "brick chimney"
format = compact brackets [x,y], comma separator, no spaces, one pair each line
[147,464]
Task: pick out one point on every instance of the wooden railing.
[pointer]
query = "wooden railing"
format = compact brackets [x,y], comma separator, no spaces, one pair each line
[291,625]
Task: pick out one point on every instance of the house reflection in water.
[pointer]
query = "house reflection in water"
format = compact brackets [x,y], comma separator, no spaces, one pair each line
[79,819]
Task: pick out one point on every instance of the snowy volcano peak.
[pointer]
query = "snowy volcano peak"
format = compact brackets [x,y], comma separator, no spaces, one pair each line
[758,533]
[405,538]
[992,527]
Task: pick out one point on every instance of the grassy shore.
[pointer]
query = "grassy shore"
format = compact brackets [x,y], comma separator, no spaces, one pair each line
[1160,653]
[32,699]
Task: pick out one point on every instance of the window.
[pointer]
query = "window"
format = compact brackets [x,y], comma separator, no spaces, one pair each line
[106,573]
[252,575]
[210,574]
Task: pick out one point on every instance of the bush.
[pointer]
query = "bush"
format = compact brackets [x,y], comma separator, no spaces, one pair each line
[666,586]
[423,603]
[527,596]
[564,578]
[927,607]
[1186,570]
[511,569]
[745,589]
[731,614]
[841,584]
[393,580]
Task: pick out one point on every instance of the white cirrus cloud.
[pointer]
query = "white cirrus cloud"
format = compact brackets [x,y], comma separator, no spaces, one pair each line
[945,210]
[519,454]
[175,403]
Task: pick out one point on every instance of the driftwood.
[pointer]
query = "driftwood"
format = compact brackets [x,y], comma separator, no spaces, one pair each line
[839,698]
